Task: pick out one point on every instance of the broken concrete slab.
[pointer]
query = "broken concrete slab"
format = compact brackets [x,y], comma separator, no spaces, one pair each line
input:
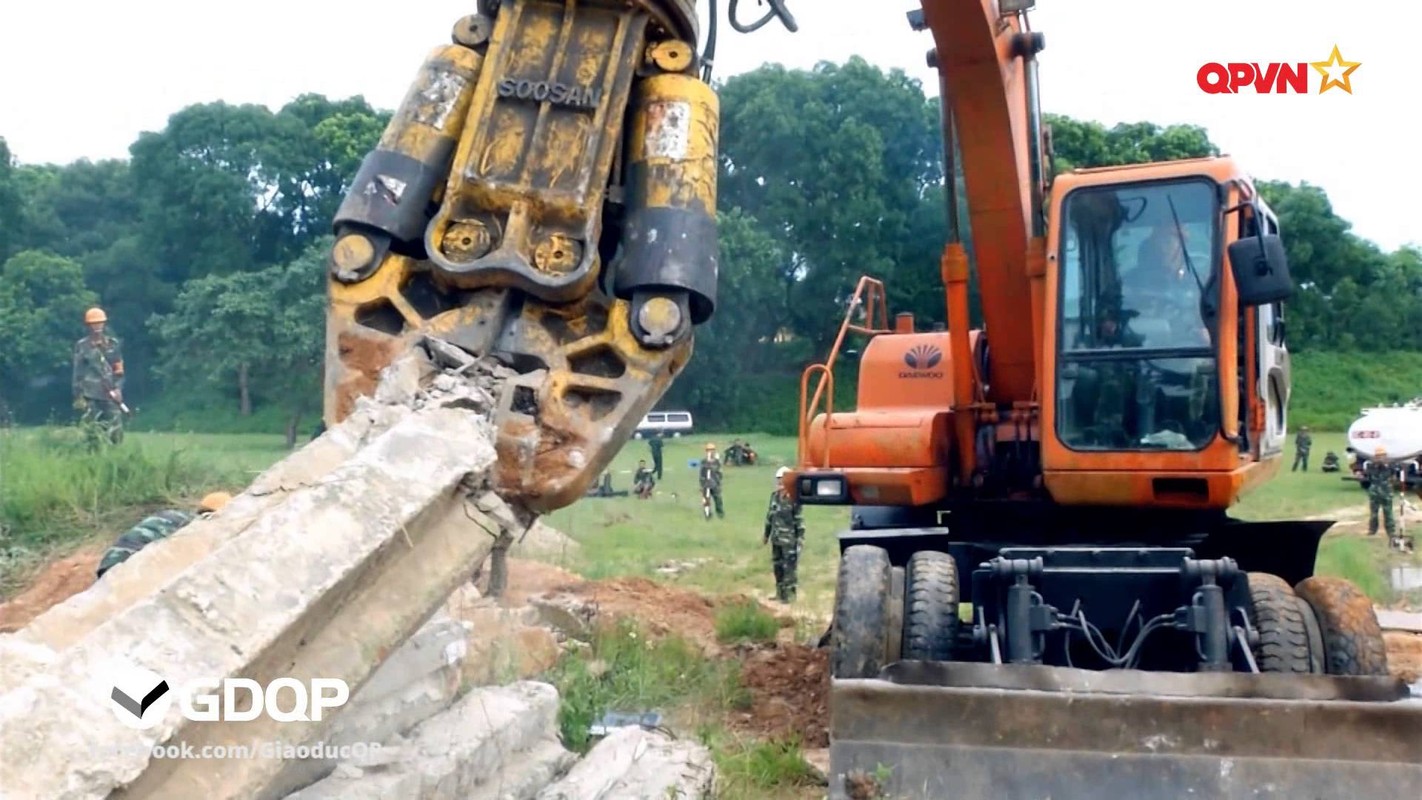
[418,681]
[567,613]
[546,543]
[638,764]
[314,586]
[523,777]
[1390,619]
[455,753]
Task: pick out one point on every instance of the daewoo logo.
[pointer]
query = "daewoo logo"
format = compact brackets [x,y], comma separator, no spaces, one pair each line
[921,360]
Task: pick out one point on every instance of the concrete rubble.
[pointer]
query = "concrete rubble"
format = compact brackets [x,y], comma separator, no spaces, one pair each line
[637,763]
[368,535]
[498,741]
[332,554]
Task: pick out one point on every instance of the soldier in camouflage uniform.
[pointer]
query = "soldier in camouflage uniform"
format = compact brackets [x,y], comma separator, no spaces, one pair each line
[98,379]
[1302,442]
[157,526]
[654,441]
[644,480]
[785,533]
[711,478]
[1378,473]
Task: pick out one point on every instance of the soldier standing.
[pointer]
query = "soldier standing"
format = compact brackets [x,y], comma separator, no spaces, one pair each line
[1302,442]
[1378,474]
[711,478]
[785,533]
[98,378]
[654,441]
[157,526]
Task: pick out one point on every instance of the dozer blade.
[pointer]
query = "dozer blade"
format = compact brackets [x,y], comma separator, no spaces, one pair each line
[962,731]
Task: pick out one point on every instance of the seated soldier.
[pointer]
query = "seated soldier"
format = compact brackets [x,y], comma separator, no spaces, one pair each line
[643,481]
[1330,462]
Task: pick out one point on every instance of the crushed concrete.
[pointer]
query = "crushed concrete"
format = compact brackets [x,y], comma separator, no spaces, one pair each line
[501,743]
[460,752]
[342,549]
[418,681]
[637,763]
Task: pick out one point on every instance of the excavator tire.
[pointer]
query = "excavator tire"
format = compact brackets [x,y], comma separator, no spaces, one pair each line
[1352,640]
[1283,633]
[859,641]
[1318,665]
[930,606]
[897,609]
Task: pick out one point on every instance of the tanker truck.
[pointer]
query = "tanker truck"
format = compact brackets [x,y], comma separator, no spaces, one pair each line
[1396,429]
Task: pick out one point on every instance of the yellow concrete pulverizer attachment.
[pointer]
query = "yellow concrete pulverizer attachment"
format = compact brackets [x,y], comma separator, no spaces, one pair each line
[545,195]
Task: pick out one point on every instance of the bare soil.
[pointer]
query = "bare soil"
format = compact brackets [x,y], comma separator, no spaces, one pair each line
[1404,654]
[658,608]
[789,686]
[53,584]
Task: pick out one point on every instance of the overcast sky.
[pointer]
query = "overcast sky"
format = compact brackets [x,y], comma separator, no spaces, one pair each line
[83,77]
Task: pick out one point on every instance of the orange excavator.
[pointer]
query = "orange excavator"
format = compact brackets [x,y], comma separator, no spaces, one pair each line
[1041,594]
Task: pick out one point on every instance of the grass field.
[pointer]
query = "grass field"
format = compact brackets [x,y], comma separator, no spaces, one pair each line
[53,495]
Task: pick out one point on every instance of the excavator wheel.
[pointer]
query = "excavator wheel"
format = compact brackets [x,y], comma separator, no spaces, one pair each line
[859,638]
[897,609]
[1352,639]
[930,606]
[1318,664]
[1284,644]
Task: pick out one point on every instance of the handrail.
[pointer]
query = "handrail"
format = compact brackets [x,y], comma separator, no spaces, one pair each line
[869,295]
[804,440]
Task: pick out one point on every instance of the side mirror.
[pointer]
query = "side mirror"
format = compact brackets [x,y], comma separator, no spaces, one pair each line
[1261,270]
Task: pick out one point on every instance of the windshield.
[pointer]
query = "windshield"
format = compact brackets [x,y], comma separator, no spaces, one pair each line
[1136,367]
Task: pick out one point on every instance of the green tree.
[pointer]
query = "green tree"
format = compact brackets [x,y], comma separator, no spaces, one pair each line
[225,187]
[1078,144]
[11,209]
[259,334]
[752,307]
[42,302]
[837,162]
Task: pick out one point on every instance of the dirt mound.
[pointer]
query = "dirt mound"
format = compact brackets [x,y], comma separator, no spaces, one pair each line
[531,578]
[1404,654]
[789,686]
[657,607]
[56,582]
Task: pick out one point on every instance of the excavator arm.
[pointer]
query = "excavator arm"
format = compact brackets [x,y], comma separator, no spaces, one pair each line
[544,197]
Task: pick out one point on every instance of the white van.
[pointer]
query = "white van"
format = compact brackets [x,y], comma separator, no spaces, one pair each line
[670,423]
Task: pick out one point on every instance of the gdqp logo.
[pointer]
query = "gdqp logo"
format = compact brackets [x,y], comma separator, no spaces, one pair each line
[1276,77]
[140,698]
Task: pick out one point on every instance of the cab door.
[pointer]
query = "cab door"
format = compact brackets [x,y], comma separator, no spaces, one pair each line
[1272,356]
